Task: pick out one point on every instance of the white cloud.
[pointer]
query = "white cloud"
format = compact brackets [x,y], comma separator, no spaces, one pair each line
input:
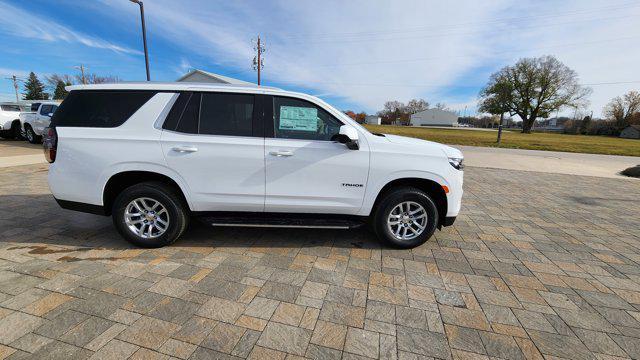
[6,72]
[21,23]
[370,52]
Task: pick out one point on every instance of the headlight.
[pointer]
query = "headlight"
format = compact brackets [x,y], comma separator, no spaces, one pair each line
[457,163]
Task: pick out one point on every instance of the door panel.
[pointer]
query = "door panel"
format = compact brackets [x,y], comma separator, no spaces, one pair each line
[214,141]
[224,173]
[306,172]
[314,177]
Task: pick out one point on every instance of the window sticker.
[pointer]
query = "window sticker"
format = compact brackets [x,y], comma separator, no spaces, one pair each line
[298,118]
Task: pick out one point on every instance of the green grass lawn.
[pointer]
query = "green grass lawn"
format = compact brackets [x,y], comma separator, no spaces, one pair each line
[517,140]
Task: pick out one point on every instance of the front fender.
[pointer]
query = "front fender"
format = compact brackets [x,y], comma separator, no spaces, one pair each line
[374,188]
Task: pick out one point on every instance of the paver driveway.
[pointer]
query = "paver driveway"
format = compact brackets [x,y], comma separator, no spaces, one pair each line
[537,265]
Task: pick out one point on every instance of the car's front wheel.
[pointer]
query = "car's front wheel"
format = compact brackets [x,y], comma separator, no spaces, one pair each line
[150,214]
[405,217]
[31,135]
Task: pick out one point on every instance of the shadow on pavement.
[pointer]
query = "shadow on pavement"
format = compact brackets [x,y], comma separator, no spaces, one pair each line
[36,223]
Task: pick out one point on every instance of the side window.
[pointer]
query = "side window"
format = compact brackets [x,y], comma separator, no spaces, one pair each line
[300,119]
[100,109]
[226,114]
[34,107]
[45,109]
[189,120]
[171,122]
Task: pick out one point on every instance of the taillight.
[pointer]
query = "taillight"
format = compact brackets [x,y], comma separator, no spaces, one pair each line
[50,144]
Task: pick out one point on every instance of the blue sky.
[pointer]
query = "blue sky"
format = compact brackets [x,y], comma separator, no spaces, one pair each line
[354,54]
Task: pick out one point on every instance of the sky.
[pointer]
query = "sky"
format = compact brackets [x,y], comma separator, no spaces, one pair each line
[354,54]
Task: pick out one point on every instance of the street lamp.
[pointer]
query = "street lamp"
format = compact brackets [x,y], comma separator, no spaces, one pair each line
[144,36]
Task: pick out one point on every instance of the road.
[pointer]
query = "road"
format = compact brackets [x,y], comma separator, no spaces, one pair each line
[541,265]
[553,162]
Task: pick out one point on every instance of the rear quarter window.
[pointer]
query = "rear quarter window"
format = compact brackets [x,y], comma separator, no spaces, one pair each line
[101,109]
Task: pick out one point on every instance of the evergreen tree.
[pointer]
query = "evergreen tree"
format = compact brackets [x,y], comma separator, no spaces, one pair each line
[34,89]
[60,92]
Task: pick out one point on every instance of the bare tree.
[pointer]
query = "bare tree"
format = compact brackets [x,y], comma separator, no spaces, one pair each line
[441,106]
[539,86]
[622,109]
[393,111]
[416,105]
[98,79]
[53,79]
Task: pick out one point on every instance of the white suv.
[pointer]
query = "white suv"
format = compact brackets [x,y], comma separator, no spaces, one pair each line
[153,154]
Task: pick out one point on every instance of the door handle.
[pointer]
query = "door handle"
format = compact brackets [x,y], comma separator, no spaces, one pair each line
[281,153]
[185,149]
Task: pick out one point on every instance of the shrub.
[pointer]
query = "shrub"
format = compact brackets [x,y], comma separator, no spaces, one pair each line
[633,171]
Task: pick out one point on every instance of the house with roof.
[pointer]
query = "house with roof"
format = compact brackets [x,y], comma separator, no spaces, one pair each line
[201,76]
[631,132]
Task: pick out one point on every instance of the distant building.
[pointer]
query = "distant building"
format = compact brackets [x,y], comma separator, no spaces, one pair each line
[552,124]
[373,120]
[434,117]
[631,132]
[201,76]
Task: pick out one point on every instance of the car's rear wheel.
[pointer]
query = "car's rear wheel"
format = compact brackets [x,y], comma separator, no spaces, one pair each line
[150,214]
[31,135]
[405,217]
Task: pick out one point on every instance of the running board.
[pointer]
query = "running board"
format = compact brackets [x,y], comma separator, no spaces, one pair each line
[301,221]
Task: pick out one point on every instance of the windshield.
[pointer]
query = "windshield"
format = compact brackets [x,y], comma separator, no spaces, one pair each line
[10,107]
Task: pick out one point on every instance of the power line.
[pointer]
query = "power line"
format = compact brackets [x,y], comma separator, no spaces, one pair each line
[475,56]
[553,15]
[452,34]
[433,85]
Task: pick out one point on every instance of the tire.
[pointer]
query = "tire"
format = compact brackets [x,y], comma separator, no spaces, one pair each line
[415,199]
[16,130]
[31,136]
[176,214]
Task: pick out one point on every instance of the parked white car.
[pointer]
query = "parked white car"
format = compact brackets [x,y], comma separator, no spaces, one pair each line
[153,154]
[35,121]
[10,120]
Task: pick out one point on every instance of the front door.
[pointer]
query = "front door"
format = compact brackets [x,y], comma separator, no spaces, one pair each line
[306,172]
[42,118]
[212,141]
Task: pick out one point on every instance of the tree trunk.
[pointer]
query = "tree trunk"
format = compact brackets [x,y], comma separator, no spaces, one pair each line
[527,124]
[500,128]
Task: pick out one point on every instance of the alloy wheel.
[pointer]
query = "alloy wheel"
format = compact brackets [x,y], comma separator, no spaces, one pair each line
[407,220]
[146,217]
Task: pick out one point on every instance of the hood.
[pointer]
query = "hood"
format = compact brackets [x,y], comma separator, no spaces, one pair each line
[413,142]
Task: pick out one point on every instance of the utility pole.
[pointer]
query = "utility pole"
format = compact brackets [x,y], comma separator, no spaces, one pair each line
[258,62]
[15,85]
[144,36]
[81,68]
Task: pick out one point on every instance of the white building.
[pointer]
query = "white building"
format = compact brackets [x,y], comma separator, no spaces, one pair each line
[202,76]
[434,117]
[373,120]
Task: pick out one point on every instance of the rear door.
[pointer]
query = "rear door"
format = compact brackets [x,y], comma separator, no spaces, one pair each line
[307,172]
[215,142]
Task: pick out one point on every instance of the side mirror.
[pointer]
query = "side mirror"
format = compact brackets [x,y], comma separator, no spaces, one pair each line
[347,135]
[50,114]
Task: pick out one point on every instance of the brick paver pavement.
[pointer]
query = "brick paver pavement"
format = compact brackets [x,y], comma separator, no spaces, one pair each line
[537,265]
